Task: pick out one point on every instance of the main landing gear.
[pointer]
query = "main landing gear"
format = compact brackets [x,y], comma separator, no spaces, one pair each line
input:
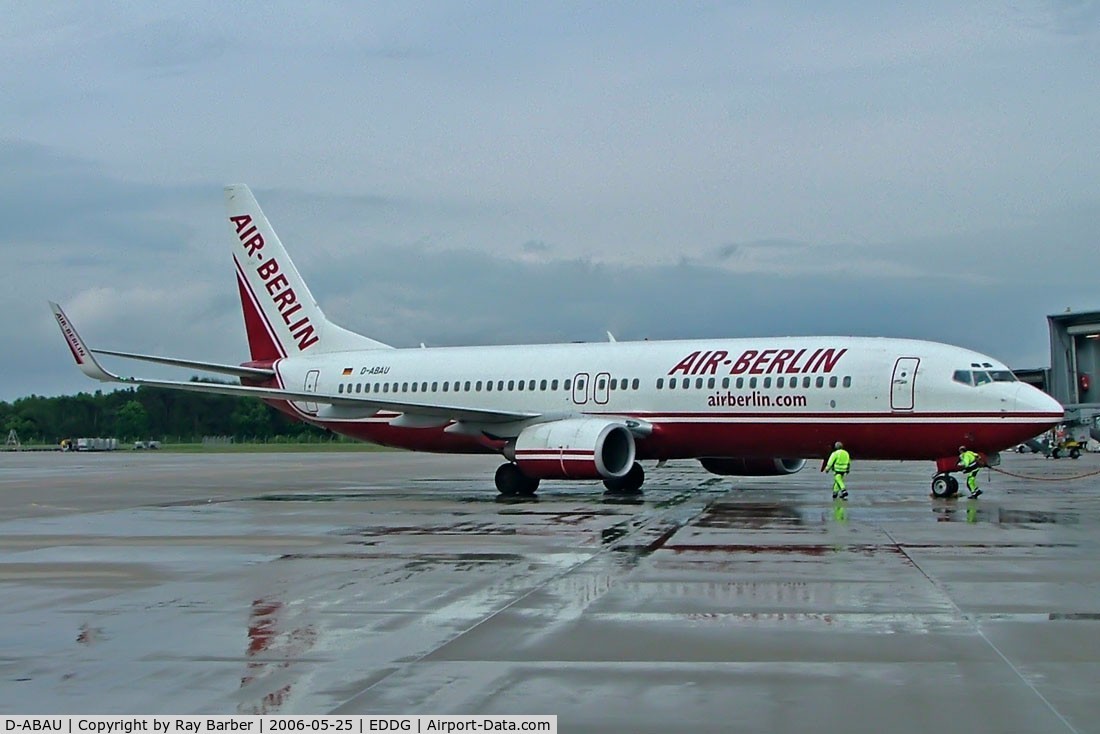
[630,483]
[944,485]
[511,482]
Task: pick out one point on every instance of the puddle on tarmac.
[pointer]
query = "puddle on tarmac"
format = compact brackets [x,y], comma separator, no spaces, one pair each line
[750,516]
[1036,517]
[974,512]
[313,497]
[640,539]
[459,528]
[275,639]
[817,550]
[614,533]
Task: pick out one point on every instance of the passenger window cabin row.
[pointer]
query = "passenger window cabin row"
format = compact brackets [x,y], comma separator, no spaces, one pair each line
[484,386]
[602,383]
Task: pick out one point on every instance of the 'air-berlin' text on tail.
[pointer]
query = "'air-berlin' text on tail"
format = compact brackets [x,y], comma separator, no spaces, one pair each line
[281,316]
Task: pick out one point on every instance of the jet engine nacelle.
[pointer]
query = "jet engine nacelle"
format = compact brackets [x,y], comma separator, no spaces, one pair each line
[574,448]
[752,467]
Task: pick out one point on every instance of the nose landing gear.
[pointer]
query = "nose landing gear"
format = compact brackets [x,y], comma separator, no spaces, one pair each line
[944,485]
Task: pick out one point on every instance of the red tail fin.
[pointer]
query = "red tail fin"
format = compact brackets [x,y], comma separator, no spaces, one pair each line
[261,344]
[281,317]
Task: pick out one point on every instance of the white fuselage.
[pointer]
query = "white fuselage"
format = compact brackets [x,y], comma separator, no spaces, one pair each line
[769,397]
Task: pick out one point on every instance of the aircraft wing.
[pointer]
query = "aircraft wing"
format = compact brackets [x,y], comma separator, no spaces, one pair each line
[225,369]
[91,367]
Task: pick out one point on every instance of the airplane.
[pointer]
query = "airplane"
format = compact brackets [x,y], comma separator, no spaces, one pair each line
[594,411]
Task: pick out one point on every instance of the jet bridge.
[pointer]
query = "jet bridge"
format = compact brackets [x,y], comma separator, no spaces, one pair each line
[1073,378]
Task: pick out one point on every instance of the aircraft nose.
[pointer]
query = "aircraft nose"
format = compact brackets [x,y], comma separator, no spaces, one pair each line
[1033,400]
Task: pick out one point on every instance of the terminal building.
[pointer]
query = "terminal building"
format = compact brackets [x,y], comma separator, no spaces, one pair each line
[1073,378]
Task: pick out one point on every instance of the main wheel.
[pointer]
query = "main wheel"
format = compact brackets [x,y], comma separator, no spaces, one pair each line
[511,482]
[941,485]
[952,486]
[630,483]
[528,487]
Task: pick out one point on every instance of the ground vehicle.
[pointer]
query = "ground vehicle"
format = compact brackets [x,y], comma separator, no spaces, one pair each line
[1070,448]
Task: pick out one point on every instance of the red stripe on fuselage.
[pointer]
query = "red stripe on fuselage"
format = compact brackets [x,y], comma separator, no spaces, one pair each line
[868,440]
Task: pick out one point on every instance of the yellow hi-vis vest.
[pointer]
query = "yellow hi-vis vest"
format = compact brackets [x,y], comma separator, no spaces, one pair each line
[839,461]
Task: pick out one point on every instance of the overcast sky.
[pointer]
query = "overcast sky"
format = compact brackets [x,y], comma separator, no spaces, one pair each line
[493,172]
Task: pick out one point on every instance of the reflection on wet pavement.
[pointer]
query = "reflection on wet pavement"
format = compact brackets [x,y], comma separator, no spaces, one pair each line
[396,584]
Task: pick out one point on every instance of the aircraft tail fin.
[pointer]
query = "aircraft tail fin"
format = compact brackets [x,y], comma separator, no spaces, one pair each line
[281,316]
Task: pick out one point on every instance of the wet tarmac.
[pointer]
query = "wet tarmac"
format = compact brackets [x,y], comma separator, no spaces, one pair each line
[398,583]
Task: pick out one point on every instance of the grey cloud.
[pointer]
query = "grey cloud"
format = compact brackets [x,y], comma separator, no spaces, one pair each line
[167,46]
[734,250]
[47,197]
[1075,17]
[536,247]
[725,252]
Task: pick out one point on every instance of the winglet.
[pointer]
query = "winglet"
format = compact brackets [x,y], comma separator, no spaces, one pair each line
[83,356]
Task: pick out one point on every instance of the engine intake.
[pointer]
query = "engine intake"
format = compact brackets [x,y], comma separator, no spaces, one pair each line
[574,448]
[752,467]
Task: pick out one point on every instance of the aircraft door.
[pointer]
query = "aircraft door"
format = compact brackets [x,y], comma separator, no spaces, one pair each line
[311,386]
[903,383]
[580,388]
[601,388]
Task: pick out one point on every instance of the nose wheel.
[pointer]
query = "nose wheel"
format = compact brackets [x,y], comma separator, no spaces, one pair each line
[944,485]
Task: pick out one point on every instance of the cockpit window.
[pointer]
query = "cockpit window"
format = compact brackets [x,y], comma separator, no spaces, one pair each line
[983,377]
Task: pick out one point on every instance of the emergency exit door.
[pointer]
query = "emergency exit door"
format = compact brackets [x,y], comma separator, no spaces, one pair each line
[903,383]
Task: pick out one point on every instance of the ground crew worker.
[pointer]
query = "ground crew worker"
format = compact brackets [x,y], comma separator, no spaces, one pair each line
[839,463]
[970,464]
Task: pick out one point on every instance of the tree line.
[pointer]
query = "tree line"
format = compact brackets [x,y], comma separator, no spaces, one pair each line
[148,413]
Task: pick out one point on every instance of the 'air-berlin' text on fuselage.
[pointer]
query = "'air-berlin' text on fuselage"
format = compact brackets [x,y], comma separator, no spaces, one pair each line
[275,283]
[760,362]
